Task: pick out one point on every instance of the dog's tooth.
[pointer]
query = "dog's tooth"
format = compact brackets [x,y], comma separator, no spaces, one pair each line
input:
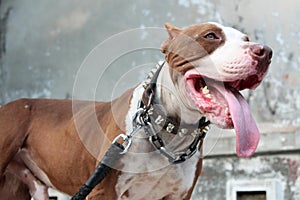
[208,96]
[227,111]
[205,90]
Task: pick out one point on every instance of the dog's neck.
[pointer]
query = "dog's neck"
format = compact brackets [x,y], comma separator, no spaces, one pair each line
[171,95]
[173,131]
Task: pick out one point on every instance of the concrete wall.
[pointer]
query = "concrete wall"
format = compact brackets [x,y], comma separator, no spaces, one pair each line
[276,174]
[44,43]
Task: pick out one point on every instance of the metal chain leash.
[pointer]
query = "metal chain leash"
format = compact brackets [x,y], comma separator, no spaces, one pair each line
[141,120]
[180,156]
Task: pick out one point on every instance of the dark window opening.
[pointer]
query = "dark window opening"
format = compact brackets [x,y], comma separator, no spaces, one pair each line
[251,195]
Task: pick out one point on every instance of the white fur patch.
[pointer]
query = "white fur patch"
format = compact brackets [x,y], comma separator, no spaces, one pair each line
[32,166]
[39,191]
[230,61]
[146,174]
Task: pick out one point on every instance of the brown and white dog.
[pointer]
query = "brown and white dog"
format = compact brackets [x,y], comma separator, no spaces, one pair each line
[56,143]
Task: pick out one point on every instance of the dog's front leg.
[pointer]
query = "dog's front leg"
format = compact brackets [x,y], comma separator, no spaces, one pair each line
[37,190]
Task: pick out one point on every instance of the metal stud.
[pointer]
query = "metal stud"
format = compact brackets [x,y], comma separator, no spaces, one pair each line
[196,132]
[150,111]
[205,129]
[170,128]
[159,120]
[183,132]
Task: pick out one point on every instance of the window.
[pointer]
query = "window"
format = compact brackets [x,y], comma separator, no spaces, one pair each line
[264,189]
[252,195]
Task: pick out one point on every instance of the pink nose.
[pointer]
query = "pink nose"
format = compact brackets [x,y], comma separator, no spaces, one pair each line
[259,51]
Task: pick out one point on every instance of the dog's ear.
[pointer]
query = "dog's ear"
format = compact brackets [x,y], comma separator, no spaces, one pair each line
[173,32]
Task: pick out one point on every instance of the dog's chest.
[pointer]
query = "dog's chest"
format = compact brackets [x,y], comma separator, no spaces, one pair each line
[172,181]
[146,173]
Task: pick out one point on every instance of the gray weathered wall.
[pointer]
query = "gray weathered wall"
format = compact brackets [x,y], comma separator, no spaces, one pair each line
[220,174]
[47,41]
[43,44]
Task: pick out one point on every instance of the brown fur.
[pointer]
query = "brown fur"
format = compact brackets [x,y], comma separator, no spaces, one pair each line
[184,46]
[45,127]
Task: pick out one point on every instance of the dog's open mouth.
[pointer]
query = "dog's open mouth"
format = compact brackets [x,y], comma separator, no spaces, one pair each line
[223,104]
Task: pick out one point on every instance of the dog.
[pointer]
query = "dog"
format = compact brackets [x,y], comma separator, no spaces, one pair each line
[57,143]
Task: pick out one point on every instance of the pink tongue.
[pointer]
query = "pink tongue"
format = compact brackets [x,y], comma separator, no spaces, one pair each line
[247,134]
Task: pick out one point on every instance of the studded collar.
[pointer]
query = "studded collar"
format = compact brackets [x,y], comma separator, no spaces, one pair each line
[160,119]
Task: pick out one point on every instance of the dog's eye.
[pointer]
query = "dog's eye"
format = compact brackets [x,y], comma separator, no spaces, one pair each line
[211,36]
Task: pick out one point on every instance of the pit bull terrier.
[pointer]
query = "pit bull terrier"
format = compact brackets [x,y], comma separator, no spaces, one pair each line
[57,143]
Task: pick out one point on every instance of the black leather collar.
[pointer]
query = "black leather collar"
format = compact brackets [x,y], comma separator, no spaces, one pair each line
[161,119]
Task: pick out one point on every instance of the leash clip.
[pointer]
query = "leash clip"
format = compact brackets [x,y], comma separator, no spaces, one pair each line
[126,142]
[140,119]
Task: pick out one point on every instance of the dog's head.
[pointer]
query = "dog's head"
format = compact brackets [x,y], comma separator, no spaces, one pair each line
[209,65]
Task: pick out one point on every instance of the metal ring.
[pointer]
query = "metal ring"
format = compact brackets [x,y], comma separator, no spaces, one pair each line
[125,139]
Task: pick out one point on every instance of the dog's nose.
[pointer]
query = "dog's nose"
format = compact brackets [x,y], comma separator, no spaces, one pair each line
[261,51]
